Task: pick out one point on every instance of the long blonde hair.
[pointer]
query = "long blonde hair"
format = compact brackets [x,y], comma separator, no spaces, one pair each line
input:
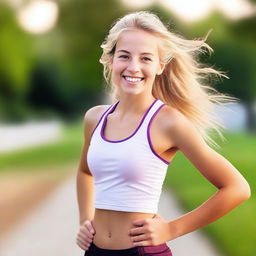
[181,85]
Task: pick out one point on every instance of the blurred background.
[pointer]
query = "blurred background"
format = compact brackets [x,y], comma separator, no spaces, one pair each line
[50,75]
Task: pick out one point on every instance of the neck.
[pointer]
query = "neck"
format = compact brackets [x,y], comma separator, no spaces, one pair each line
[134,105]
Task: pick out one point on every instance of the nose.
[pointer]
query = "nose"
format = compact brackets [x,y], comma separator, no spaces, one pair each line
[133,66]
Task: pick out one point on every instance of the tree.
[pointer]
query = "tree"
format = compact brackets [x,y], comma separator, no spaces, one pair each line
[16,60]
[234,45]
[73,50]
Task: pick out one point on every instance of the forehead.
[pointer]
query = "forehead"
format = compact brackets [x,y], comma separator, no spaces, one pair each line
[137,41]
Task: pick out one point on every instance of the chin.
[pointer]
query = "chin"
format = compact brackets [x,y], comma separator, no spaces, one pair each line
[133,91]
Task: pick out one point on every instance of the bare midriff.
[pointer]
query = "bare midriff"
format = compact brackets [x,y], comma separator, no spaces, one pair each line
[112,228]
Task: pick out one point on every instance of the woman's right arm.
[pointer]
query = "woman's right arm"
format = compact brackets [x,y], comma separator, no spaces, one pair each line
[85,187]
[85,182]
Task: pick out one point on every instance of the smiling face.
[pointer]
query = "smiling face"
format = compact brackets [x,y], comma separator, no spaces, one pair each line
[135,62]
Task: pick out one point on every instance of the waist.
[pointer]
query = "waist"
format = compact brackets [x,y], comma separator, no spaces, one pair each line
[112,228]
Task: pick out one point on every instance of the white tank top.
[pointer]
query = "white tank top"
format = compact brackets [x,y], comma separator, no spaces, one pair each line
[128,173]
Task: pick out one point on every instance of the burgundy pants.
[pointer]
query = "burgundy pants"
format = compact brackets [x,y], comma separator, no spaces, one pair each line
[152,250]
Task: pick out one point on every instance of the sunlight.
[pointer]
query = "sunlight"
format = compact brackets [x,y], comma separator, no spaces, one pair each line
[137,3]
[237,10]
[195,10]
[188,10]
[38,17]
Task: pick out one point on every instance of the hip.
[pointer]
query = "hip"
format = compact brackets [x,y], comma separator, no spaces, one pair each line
[157,250]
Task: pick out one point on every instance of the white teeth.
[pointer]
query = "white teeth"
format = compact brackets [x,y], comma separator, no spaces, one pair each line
[132,79]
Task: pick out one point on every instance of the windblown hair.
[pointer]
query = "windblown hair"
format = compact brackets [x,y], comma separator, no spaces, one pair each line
[182,83]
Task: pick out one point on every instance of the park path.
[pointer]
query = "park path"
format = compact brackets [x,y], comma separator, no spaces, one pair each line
[19,136]
[50,229]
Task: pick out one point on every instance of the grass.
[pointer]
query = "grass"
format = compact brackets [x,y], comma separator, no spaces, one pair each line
[234,233]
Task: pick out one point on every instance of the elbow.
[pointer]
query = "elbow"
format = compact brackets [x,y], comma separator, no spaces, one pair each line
[247,193]
[238,193]
[244,192]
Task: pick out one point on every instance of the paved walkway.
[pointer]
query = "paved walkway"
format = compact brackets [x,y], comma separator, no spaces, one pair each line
[50,230]
[20,136]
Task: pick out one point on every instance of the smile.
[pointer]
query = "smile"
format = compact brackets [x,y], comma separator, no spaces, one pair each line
[133,79]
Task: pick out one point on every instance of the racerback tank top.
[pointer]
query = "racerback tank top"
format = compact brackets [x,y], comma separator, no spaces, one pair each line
[128,173]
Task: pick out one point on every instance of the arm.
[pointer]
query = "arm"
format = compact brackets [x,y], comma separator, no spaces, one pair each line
[85,182]
[85,191]
[233,189]
[85,186]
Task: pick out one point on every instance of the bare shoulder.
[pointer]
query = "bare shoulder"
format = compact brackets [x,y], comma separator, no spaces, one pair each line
[179,128]
[93,115]
[173,119]
[172,115]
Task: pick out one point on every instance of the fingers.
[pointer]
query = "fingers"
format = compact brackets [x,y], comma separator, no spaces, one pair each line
[85,232]
[137,231]
[139,238]
[85,235]
[142,243]
[89,226]
[82,244]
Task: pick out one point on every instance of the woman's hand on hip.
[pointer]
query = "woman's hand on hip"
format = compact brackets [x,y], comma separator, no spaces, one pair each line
[150,231]
[85,235]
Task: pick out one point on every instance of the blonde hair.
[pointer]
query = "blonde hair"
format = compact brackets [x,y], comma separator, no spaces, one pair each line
[181,83]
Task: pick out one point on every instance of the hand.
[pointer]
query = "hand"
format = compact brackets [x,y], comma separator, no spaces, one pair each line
[85,235]
[150,231]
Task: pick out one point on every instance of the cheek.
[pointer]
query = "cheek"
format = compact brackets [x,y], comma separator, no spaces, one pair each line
[117,67]
[117,70]
[152,71]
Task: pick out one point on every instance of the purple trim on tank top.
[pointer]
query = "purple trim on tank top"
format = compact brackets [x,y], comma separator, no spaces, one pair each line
[105,121]
[100,119]
[149,139]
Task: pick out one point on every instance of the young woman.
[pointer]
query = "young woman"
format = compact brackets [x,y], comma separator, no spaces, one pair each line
[160,106]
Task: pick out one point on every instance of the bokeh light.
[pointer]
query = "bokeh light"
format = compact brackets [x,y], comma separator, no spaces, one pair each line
[192,11]
[38,17]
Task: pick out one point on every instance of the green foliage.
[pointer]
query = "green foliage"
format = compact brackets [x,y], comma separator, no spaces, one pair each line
[245,29]
[15,55]
[60,69]
[234,52]
[15,63]
[238,61]
[83,26]
[66,75]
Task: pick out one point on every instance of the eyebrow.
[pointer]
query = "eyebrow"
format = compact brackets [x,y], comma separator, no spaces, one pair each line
[143,53]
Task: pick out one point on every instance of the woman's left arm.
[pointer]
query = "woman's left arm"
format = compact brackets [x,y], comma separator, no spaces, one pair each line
[233,189]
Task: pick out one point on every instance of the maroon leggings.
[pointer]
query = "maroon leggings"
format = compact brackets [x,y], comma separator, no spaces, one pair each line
[158,250]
